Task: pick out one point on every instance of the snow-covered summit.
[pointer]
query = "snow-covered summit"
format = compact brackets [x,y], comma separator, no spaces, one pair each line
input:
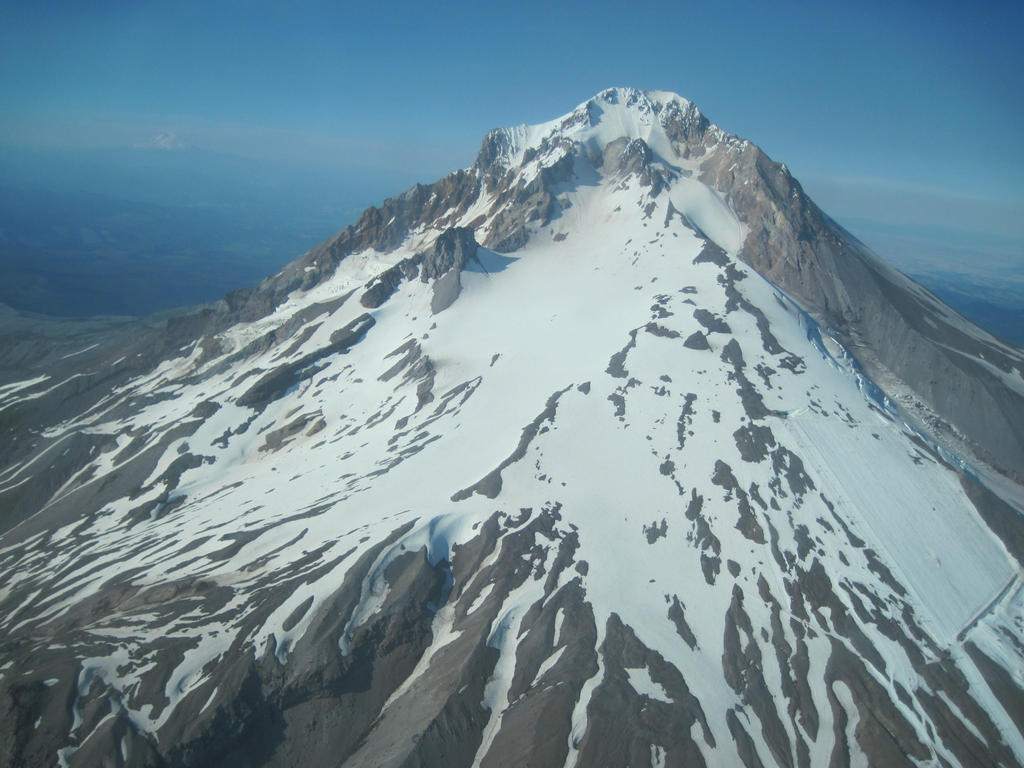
[664,121]
[546,463]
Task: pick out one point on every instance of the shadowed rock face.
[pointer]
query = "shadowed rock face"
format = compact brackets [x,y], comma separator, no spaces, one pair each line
[637,506]
[383,286]
[454,249]
[452,252]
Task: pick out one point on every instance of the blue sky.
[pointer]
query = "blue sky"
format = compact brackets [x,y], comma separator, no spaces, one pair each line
[905,114]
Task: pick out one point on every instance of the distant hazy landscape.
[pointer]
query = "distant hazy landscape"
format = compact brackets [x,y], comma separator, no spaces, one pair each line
[978,275]
[134,232]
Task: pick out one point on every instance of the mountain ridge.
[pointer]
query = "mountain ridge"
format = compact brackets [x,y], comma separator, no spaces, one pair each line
[551,463]
[778,251]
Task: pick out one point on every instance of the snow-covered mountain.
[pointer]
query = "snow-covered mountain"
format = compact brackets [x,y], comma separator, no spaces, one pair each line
[611,449]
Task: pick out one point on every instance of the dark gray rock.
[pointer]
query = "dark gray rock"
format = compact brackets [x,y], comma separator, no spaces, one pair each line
[711,322]
[380,289]
[275,383]
[490,484]
[453,250]
[697,340]
[624,725]
[753,442]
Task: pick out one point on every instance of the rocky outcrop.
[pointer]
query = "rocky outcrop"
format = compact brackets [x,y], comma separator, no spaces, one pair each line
[452,252]
[381,288]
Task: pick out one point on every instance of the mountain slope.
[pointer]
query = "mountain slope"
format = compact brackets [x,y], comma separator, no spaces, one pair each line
[575,457]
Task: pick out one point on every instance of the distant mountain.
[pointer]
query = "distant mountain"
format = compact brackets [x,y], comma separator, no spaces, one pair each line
[611,449]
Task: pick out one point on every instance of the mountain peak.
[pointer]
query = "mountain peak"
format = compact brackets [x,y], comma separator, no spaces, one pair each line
[665,121]
[637,101]
[577,457]
[640,101]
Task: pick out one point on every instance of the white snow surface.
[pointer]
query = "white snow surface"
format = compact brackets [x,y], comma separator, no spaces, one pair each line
[642,682]
[611,115]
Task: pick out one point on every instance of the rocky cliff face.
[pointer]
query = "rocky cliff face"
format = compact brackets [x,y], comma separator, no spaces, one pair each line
[948,373]
[611,449]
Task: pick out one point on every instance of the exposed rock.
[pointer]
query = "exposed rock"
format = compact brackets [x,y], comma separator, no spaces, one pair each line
[380,288]
[697,340]
[453,250]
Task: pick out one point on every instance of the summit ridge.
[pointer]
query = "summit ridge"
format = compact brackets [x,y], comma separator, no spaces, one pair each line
[615,113]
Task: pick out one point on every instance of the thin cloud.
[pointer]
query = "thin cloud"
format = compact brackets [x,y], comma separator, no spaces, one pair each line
[167,140]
